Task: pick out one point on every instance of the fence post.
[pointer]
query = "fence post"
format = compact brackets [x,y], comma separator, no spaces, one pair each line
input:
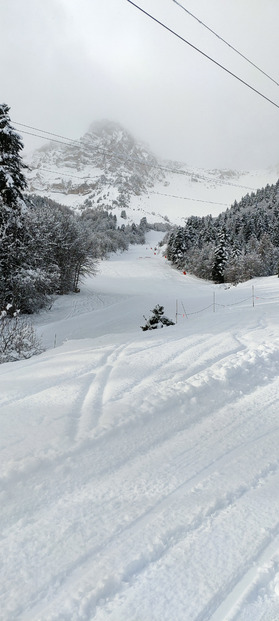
[253,295]
[184,310]
[176,310]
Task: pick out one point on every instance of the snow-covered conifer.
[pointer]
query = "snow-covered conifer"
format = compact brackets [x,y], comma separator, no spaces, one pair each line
[157,320]
[12,207]
[12,179]
[220,258]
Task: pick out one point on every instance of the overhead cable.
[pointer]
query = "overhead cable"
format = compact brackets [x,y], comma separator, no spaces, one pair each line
[203,53]
[101,151]
[226,42]
[203,178]
[132,159]
[88,178]
[63,174]
[43,131]
[187,198]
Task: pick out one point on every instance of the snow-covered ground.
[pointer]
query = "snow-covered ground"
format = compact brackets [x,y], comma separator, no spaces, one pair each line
[185,192]
[140,470]
[197,192]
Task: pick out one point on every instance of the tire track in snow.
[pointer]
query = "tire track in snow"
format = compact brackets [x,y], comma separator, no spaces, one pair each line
[182,361]
[115,461]
[262,591]
[173,539]
[50,378]
[195,393]
[239,590]
[149,555]
[92,401]
[130,534]
[221,379]
[139,564]
[129,567]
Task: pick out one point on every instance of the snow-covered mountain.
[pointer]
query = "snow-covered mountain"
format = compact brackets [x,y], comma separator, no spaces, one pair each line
[108,167]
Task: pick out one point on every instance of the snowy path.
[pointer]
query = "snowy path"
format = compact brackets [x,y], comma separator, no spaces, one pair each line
[140,471]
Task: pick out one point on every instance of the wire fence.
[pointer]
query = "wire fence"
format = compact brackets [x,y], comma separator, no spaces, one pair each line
[254,299]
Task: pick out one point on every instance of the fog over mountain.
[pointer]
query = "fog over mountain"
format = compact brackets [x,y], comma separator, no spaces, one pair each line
[109,168]
[69,62]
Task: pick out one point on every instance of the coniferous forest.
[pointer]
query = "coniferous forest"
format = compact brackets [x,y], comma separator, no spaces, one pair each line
[239,244]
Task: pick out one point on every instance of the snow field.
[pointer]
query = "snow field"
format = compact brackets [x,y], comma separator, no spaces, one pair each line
[140,471]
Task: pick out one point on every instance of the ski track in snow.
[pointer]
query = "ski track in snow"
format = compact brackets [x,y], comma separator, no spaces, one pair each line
[140,472]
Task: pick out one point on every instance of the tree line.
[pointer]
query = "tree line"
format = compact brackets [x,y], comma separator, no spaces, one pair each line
[239,244]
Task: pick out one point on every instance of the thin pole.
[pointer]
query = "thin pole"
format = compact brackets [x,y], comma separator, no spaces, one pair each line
[184,310]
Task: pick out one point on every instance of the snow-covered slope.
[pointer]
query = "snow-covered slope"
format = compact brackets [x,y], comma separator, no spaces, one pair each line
[140,470]
[108,167]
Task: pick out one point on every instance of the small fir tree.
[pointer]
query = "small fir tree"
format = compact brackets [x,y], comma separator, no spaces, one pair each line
[157,320]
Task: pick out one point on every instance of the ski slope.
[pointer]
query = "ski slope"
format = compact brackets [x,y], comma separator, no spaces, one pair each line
[140,470]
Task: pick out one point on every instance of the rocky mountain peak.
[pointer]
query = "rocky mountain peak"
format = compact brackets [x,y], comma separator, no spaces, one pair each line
[106,162]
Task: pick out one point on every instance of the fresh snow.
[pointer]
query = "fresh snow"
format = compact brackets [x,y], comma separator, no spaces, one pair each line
[197,192]
[182,191]
[140,470]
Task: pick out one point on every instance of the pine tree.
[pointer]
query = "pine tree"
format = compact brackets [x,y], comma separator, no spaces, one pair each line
[12,207]
[220,258]
[12,180]
[157,320]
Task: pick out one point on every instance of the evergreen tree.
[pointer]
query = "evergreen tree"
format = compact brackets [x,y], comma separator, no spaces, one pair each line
[12,207]
[220,258]
[12,180]
[157,320]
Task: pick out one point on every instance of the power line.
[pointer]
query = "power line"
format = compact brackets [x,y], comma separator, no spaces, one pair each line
[43,137]
[235,185]
[63,174]
[186,198]
[125,158]
[89,177]
[101,151]
[226,42]
[203,53]
[44,131]
[86,178]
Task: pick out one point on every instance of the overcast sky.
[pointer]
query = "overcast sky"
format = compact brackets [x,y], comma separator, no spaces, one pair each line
[66,63]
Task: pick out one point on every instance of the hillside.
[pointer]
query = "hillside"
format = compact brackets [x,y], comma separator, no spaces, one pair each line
[109,167]
[239,244]
[140,470]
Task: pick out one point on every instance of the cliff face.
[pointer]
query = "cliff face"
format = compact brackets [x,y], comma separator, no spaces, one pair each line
[105,166]
[108,168]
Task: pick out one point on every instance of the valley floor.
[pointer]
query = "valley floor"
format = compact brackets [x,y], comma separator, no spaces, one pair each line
[140,470]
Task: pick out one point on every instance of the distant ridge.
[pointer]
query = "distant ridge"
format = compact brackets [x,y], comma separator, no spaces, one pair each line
[107,168]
